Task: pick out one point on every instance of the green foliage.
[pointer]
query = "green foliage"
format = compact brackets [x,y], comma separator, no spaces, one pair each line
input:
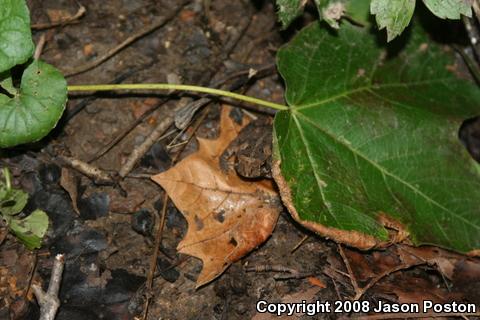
[367,135]
[30,112]
[31,229]
[12,201]
[15,36]
[288,10]
[33,110]
[359,11]
[394,15]
[329,10]
[449,9]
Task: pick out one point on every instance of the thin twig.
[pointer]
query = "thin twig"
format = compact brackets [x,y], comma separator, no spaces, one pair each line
[359,292]
[302,241]
[143,176]
[41,26]
[259,72]
[39,47]
[269,268]
[288,273]
[172,266]
[153,261]
[173,146]
[337,291]
[143,148]
[431,263]
[98,175]
[353,280]
[384,274]
[329,274]
[345,274]
[126,131]
[110,53]
[48,301]
[297,275]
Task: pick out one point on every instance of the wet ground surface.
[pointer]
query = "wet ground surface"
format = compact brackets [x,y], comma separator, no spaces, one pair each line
[107,235]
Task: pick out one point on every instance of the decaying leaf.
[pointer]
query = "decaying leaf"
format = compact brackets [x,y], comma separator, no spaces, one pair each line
[440,275]
[70,183]
[15,272]
[227,216]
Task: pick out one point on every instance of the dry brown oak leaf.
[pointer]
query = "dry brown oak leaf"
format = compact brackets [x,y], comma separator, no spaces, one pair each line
[227,216]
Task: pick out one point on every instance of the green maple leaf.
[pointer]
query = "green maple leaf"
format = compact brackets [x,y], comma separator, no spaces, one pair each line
[369,136]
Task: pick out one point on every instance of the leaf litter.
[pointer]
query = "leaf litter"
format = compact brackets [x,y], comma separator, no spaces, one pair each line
[406,274]
[465,269]
[227,216]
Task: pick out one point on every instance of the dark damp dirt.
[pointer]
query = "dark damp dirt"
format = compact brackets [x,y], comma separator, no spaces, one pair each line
[106,231]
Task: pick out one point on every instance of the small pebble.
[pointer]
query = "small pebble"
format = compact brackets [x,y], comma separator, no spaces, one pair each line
[142,222]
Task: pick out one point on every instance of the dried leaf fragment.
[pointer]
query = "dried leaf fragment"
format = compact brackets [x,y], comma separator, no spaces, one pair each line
[70,183]
[227,216]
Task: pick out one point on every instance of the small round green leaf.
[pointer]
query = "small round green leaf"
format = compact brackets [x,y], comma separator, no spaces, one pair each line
[393,15]
[13,202]
[31,229]
[288,10]
[36,108]
[16,45]
[451,9]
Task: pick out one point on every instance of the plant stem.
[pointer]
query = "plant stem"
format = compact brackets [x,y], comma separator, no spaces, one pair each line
[8,181]
[182,87]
